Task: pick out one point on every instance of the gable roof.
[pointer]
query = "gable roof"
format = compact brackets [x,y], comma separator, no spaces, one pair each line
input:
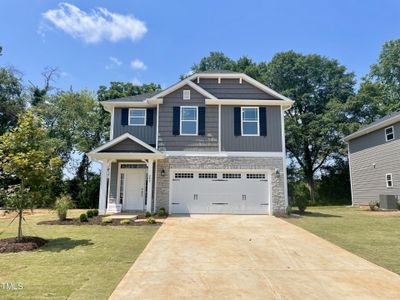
[137,98]
[383,122]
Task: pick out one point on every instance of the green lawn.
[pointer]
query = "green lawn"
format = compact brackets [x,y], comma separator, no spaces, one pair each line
[374,236]
[79,262]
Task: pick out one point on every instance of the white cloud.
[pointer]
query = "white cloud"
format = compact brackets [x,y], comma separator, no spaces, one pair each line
[115,62]
[94,26]
[136,81]
[137,64]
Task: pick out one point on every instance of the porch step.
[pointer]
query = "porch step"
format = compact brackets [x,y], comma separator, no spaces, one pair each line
[122,217]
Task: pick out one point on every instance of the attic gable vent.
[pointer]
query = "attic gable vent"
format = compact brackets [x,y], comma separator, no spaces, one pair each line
[186,94]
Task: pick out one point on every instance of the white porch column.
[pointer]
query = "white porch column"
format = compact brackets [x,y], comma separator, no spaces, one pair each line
[149,184]
[103,187]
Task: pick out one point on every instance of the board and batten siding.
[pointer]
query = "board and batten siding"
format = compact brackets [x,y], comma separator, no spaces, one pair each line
[167,141]
[371,158]
[232,89]
[270,143]
[145,133]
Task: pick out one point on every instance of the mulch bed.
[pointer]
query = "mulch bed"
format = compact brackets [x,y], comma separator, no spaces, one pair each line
[98,221]
[28,243]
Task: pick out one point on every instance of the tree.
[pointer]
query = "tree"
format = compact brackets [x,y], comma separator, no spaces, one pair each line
[321,88]
[39,94]
[12,98]
[28,154]
[379,91]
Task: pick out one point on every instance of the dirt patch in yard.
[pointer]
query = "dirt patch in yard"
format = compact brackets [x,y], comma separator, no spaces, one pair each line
[28,243]
[98,220]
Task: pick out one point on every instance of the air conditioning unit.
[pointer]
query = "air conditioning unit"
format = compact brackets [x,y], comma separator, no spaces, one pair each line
[388,201]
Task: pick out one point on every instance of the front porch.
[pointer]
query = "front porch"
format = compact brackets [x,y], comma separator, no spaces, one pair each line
[127,175]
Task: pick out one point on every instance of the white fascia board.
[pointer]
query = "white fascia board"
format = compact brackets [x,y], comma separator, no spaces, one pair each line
[119,139]
[109,105]
[224,154]
[181,84]
[283,103]
[380,125]
[243,77]
[125,155]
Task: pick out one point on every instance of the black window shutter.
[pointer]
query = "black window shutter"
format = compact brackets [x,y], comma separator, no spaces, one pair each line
[176,120]
[202,121]
[149,117]
[124,116]
[263,121]
[237,120]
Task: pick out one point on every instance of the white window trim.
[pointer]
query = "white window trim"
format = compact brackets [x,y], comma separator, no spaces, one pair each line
[258,120]
[187,94]
[386,135]
[197,121]
[387,181]
[145,117]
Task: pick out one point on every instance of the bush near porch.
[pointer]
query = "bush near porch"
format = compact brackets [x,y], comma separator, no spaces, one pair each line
[78,262]
[373,235]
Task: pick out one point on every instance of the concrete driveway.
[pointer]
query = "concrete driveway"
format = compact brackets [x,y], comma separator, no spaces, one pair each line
[249,257]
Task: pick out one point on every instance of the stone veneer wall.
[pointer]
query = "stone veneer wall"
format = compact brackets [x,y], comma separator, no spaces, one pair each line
[270,163]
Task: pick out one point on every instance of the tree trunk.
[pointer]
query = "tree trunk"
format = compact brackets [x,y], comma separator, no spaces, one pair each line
[19,237]
[311,188]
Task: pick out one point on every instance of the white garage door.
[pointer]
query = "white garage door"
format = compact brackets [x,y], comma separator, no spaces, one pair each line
[229,192]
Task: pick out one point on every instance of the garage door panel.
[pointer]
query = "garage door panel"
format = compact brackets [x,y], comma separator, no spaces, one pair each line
[217,192]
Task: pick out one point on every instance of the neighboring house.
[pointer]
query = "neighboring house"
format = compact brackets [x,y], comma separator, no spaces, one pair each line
[374,160]
[212,143]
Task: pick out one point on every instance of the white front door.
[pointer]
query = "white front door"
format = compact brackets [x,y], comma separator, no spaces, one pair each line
[132,185]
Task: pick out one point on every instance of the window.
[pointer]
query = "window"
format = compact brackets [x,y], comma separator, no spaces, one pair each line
[186,94]
[250,121]
[133,166]
[255,176]
[389,133]
[183,175]
[231,176]
[137,117]
[189,120]
[121,187]
[208,175]
[389,180]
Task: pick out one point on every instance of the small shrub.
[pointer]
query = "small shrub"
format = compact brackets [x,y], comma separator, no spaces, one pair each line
[151,220]
[289,210]
[62,204]
[373,205]
[161,212]
[83,218]
[147,214]
[398,204]
[95,212]
[125,222]
[90,214]
[106,220]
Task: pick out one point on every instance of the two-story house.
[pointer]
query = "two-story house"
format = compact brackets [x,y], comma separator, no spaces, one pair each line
[374,160]
[212,143]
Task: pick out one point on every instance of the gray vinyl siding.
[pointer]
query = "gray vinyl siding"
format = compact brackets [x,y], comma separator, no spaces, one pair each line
[232,89]
[271,143]
[371,158]
[145,133]
[127,146]
[169,142]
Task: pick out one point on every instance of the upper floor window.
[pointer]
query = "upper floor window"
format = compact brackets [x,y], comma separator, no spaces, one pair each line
[389,180]
[137,116]
[186,94]
[389,133]
[189,119]
[250,121]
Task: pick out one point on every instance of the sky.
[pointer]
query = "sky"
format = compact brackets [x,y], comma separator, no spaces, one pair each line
[95,42]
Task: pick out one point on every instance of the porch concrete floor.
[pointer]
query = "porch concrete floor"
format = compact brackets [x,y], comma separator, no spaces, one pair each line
[249,257]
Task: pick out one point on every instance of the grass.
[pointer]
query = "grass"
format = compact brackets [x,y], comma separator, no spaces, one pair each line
[373,235]
[79,262]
